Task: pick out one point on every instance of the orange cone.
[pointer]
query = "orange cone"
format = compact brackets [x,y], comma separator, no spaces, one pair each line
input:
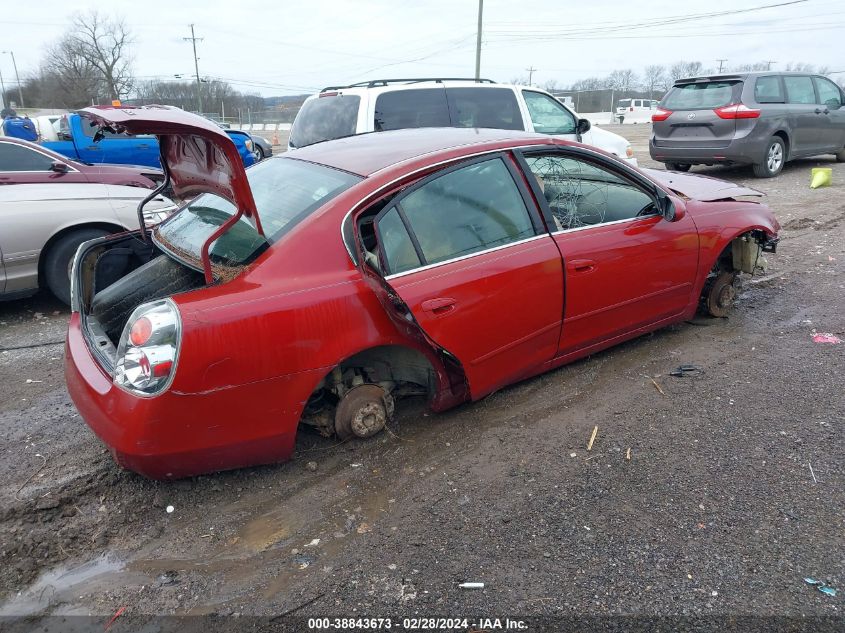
[275,138]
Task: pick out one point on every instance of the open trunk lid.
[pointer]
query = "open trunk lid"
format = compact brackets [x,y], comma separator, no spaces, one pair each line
[198,156]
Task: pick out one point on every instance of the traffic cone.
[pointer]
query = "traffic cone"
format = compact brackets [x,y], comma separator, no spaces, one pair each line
[275,138]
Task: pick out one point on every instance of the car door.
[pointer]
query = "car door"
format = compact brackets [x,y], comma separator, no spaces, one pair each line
[803,120]
[119,149]
[465,251]
[831,115]
[626,267]
[548,116]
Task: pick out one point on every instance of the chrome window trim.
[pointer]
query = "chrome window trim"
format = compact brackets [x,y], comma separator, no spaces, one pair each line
[467,256]
[611,223]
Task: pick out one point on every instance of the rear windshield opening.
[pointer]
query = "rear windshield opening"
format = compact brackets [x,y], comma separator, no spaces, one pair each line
[324,119]
[702,95]
[286,191]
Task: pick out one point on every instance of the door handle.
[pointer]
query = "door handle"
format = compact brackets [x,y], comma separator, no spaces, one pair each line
[820,111]
[440,305]
[93,147]
[582,265]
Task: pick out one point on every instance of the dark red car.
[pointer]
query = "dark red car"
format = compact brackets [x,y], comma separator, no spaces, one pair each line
[329,282]
[22,162]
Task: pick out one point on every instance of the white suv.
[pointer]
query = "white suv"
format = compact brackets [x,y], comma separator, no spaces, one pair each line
[392,104]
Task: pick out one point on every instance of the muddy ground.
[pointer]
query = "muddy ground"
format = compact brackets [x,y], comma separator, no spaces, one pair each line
[717,510]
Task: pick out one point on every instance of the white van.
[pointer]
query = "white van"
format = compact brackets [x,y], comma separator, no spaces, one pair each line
[635,110]
[392,104]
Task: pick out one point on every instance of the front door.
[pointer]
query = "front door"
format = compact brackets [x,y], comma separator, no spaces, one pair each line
[466,252]
[626,267]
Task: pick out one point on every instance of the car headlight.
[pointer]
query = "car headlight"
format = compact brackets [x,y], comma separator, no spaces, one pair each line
[249,145]
[154,216]
[629,151]
[149,348]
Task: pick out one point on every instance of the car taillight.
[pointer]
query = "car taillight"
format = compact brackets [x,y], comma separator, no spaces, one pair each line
[736,111]
[661,115]
[148,348]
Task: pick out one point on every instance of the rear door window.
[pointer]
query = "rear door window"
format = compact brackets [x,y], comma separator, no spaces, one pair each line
[548,115]
[465,211]
[829,93]
[399,251]
[704,95]
[402,109]
[484,107]
[799,89]
[768,90]
[325,118]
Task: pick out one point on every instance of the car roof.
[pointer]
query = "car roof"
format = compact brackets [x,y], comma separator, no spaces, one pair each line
[383,86]
[742,75]
[365,154]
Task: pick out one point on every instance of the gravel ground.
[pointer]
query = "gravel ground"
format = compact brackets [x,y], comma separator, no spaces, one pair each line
[716,512]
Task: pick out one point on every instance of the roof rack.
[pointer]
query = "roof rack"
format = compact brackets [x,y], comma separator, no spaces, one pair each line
[385,82]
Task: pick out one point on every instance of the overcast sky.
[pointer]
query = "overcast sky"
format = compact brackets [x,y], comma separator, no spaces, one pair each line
[277,47]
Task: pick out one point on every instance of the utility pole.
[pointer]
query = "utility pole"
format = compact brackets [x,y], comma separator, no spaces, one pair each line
[193,40]
[17,77]
[530,70]
[769,64]
[478,42]
[3,88]
[721,62]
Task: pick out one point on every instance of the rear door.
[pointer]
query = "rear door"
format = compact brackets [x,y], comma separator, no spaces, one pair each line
[466,252]
[693,122]
[803,119]
[626,267]
[832,115]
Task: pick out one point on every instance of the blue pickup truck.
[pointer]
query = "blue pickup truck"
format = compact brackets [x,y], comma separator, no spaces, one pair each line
[76,140]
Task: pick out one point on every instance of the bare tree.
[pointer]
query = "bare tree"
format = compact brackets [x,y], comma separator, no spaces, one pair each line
[654,79]
[102,43]
[71,78]
[552,86]
[520,81]
[683,69]
[622,80]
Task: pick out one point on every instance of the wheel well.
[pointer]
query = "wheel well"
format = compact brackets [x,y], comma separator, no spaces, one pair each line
[785,138]
[105,226]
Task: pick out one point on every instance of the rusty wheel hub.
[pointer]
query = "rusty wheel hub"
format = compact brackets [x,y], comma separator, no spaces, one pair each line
[722,295]
[362,412]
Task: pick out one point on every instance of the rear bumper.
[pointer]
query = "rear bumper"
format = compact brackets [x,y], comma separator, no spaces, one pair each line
[743,151]
[177,434]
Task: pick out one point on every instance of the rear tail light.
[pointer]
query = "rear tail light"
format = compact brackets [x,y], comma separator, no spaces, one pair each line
[148,349]
[736,111]
[661,115]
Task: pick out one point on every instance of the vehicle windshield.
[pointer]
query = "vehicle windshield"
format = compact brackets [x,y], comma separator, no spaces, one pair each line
[624,103]
[325,118]
[704,95]
[286,191]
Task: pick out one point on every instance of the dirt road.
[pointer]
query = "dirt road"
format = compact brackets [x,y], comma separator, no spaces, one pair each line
[717,510]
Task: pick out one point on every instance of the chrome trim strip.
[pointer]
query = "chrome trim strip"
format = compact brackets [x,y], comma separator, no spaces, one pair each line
[593,226]
[463,257]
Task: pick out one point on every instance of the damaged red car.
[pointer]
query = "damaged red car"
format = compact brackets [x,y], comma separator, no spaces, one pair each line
[320,287]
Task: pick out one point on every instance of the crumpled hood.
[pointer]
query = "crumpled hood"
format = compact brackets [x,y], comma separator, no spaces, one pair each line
[703,188]
[200,157]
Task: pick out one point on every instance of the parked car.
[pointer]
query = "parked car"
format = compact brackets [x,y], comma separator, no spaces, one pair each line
[393,104]
[42,225]
[635,110]
[246,316]
[262,147]
[763,119]
[76,140]
[22,162]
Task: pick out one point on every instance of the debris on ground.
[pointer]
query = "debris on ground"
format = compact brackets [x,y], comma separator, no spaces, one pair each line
[815,481]
[628,454]
[656,386]
[169,509]
[312,466]
[471,585]
[822,586]
[592,438]
[685,370]
[115,617]
[821,337]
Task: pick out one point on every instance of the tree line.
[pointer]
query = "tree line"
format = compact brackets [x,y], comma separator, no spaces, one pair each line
[92,63]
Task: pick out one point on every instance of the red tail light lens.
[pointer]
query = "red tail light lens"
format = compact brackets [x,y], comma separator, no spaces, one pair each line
[736,111]
[140,332]
[661,115]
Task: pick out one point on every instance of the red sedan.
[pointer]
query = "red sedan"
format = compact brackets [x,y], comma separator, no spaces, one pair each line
[329,282]
[25,163]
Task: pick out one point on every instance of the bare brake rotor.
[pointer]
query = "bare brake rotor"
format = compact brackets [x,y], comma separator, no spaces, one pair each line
[722,294]
[362,412]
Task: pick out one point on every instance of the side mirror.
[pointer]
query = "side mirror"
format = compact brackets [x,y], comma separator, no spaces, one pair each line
[669,210]
[59,167]
[583,126]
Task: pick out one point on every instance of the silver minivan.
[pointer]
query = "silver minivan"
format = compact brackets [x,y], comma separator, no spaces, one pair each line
[763,119]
